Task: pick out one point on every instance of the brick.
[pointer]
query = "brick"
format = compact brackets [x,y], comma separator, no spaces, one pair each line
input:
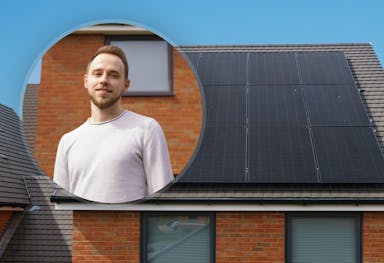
[110,237]
[373,236]
[250,237]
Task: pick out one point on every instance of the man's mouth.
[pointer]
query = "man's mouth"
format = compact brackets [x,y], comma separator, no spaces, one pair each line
[104,90]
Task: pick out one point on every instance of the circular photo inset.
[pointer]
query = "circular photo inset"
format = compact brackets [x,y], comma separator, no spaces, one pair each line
[118,113]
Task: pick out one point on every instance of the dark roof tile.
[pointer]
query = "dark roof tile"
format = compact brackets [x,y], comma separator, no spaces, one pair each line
[43,234]
[14,162]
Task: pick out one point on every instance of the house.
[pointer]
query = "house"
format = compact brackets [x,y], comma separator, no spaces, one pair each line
[325,203]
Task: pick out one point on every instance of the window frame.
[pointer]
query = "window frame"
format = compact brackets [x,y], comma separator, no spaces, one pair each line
[358,227]
[170,92]
[144,222]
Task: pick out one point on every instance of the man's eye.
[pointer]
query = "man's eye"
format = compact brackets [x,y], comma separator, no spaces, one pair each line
[114,75]
[97,74]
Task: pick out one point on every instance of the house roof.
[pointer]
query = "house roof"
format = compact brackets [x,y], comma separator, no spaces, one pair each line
[14,161]
[40,233]
[369,77]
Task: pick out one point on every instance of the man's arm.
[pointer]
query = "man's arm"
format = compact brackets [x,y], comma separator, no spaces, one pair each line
[61,175]
[156,159]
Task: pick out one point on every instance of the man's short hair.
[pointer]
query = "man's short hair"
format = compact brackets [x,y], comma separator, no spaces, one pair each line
[114,50]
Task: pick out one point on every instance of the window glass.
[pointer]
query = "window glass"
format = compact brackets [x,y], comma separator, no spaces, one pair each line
[149,66]
[319,239]
[177,238]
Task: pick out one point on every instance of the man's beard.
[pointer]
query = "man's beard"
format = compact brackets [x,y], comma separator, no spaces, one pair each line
[104,103]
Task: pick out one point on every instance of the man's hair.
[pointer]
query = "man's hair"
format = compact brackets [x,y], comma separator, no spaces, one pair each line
[114,50]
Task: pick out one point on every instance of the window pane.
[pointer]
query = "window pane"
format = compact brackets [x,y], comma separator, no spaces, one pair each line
[149,69]
[324,239]
[178,239]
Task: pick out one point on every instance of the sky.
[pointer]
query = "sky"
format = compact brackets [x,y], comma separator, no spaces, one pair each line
[30,28]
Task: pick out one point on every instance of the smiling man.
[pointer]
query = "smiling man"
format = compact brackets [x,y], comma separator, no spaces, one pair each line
[116,155]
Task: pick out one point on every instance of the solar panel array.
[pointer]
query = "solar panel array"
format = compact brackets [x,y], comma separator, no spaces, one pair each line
[282,117]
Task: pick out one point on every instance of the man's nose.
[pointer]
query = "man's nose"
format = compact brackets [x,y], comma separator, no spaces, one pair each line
[104,78]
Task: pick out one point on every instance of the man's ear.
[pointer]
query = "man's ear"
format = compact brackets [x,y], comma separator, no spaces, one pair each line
[85,78]
[127,83]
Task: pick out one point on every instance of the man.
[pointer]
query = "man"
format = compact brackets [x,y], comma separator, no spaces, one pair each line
[116,155]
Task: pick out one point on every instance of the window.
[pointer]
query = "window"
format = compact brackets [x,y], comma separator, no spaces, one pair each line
[150,64]
[319,238]
[177,237]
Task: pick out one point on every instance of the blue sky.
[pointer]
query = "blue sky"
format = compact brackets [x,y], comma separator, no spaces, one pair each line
[30,28]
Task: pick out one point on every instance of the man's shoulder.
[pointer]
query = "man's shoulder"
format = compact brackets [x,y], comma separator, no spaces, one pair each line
[140,118]
[71,135]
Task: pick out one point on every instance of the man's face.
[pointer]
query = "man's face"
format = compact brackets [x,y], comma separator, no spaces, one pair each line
[105,80]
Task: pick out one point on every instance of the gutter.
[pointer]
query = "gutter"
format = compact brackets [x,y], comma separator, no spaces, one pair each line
[230,204]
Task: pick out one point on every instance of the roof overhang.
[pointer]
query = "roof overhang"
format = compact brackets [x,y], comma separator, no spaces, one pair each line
[226,197]
[113,29]
[223,206]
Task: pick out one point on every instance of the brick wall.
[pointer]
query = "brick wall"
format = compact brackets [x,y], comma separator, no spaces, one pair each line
[4,217]
[64,104]
[250,237]
[240,237]
[106,237]
[373,237]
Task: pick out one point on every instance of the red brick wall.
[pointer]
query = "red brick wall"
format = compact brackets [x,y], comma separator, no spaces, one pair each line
[64,104]
[373,237]
[250,237]
[106,237]
[240,237]
[4,217]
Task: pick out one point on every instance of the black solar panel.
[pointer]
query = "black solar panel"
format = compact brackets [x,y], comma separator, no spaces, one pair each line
[324,68]
[276,106]
[348,155]
[273,69]
[225,105]
[223,68]
[221,157]
[281,155]
[283,118]
[336,105]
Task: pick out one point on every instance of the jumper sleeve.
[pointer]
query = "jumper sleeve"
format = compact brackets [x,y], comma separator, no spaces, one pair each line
[61,175]
[156,159]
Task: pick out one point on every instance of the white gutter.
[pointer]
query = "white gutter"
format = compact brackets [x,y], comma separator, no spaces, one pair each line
[219,207]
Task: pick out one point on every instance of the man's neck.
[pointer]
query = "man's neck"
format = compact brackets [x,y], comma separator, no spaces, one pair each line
[103,115]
